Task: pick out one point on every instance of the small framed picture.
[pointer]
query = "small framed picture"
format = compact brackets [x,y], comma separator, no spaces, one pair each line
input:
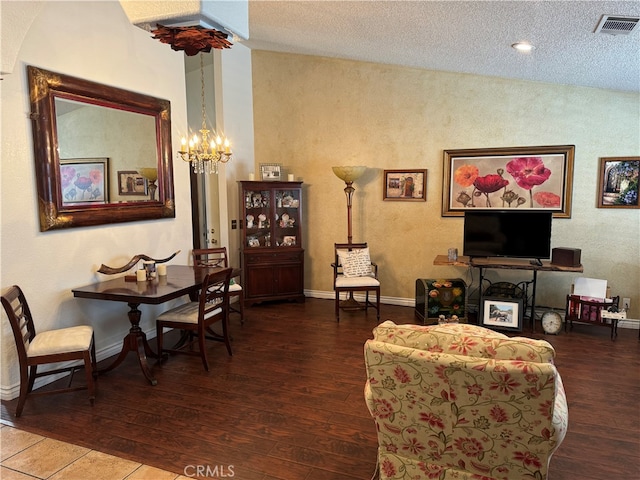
[618,182]
[405,185]
[270,171]
[130,182]
[501,313]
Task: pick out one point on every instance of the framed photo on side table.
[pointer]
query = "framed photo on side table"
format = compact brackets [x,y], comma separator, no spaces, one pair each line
[618,182]
[499,313]
[405,185]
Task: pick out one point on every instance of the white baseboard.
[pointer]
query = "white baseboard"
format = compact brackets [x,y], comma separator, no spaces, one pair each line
[411,302]
[403,302]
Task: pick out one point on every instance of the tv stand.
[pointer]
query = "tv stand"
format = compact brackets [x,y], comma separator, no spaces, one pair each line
[483,263]
[536,261]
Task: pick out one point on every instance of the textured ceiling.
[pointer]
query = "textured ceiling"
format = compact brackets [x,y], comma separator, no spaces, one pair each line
[460,36]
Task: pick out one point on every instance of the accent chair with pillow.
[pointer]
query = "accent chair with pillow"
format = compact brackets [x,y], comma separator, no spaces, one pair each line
[461,401]
[353,271]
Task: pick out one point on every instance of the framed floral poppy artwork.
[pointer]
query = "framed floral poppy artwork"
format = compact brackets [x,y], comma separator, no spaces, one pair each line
[84,181]
[524,178]
[618,182]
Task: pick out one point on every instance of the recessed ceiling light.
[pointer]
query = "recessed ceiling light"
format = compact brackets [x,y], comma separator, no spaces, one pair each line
[523,46]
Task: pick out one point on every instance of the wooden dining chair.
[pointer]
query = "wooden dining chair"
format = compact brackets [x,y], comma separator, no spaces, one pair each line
[48,347]
[196,318]
[217,257]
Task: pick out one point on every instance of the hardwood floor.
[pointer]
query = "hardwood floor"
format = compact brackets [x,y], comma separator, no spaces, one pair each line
[289,404]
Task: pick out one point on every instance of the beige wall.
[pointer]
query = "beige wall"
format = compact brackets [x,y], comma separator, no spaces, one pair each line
[107,49]
[47,265]
[311,113]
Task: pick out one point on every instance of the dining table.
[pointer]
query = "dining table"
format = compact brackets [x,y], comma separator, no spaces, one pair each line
[180,280]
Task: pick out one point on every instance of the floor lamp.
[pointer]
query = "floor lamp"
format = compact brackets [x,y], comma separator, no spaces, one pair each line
[349,175]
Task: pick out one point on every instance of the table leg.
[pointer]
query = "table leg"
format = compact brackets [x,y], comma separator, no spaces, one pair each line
[479,315]
[533,302]
[135,341]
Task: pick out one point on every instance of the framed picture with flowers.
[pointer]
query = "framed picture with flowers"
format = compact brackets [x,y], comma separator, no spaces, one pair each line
[84,181]
[618,182]
[524,178]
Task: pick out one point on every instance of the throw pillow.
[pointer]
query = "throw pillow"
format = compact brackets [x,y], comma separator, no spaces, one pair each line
[355,263]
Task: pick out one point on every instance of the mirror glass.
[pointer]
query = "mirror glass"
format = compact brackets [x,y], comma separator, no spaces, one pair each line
[102,154]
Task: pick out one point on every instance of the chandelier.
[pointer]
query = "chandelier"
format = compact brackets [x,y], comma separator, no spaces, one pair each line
[207,152]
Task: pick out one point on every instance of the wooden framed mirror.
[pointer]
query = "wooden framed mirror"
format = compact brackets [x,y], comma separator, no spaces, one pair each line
[102,154]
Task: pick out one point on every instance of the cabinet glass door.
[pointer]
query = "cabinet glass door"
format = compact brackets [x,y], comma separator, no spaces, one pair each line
[287,218]
[258,220]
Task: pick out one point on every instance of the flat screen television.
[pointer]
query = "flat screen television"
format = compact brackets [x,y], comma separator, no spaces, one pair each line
[501,233]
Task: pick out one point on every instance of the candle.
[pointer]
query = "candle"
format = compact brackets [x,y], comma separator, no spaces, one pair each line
[290,177]
[141,275]
[162,270]
[252,176]
[227,146]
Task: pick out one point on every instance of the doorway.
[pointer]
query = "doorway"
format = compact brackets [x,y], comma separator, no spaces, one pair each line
[205,205]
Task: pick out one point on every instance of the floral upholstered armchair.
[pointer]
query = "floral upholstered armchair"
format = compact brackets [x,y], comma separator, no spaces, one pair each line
[458,401]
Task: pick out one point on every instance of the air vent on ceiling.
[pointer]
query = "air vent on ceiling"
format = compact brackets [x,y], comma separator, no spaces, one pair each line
[617,25]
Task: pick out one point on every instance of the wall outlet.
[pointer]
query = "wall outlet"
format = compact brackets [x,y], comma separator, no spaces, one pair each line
[626,303]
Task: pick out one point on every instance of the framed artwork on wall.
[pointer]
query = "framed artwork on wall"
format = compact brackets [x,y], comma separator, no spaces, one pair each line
[130,182]
[534,178]
[84,180]
[405,185]
[618,182]
[501,313]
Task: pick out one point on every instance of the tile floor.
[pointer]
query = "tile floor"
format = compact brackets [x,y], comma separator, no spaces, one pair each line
[26,456]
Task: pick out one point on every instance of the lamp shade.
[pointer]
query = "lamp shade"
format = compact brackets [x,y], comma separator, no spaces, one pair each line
[349,174]
[149,173]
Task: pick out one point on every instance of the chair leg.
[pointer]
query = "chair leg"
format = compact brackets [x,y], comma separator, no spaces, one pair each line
[24,389]
[33,373]
[378,304]
[94,361]
[203,351]
[226,337]
[159,340]
[241,307]
[337,307]
[88,370]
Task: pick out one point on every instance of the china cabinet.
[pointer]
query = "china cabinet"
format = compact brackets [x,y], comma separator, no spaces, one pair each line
[271,250]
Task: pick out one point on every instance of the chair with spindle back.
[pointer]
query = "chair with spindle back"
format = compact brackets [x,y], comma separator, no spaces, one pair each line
[217,257]
[47,347]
